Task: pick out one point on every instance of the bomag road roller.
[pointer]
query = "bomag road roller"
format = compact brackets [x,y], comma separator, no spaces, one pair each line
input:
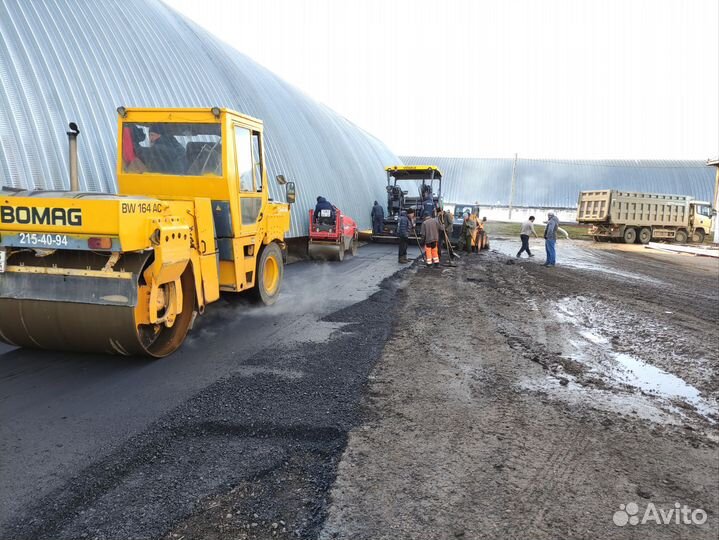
[127,273]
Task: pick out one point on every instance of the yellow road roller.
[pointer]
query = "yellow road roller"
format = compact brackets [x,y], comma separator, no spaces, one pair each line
[127,273]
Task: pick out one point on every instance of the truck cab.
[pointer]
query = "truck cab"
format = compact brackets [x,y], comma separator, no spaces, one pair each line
[700,220]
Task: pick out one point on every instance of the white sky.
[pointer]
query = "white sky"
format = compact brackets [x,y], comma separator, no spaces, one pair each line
[544,78]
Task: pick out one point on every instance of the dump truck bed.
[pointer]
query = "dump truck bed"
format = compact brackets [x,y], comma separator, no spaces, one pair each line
[630,208]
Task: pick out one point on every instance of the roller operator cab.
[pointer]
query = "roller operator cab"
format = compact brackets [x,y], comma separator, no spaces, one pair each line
[128,273]
[418,187]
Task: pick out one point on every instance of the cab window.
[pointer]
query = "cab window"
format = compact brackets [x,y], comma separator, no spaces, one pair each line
[179,149]
[244,158]
[257,159]
[704,211]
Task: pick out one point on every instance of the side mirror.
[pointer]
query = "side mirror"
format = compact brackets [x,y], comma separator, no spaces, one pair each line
[290,192]
[281,179]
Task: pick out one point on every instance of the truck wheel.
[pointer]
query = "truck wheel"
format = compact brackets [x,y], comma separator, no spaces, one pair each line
[341,252]
[269,275]
[630,235]
[680,237]
[645,235]
[698,237]
[353,246]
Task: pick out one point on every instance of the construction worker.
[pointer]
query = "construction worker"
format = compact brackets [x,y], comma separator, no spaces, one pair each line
[377,216]
[430,236]
[165,153]
[550,239]
[428,207]
[524,232]
[482,238]
[469,228]
[403,228]
[471,233]
[443,217]
[324,204]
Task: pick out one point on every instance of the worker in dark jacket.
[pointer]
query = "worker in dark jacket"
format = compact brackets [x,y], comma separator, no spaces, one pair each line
[403,228]
[445,220]
[428,207]
[324,204]
[165,154]
[550,239]
[430,236]
[377,216]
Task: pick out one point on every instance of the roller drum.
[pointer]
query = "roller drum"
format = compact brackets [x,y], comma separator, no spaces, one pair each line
[327,252]
[77,314]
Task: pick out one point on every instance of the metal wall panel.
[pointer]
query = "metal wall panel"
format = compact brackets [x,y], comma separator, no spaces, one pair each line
[78,60]
[557,183]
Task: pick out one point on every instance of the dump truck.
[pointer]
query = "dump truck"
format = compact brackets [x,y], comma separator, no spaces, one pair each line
[127,273]
[641,217]
[407,187]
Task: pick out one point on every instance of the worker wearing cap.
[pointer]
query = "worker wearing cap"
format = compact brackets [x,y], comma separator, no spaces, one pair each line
[428,206]
[165,154]
[444,219]
[377,216]
[550,239]
[482,238]
[430,236]
[403,227]
[324,204]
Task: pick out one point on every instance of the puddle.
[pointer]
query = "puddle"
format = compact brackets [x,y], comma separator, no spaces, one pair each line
[571,255]
[649,378]
[638,405]
[597,354]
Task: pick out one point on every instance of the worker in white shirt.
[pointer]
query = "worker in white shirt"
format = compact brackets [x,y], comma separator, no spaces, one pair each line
[527,229]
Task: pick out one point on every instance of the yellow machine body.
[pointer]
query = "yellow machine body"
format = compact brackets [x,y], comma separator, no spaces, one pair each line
[127,273]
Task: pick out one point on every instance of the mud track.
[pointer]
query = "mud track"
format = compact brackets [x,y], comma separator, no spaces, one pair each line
[501,407]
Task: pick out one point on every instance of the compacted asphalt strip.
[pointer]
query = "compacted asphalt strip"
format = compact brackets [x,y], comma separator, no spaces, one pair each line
[62,412]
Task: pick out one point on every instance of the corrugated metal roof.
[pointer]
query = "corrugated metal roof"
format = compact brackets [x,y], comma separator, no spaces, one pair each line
[74,60]
[557,183]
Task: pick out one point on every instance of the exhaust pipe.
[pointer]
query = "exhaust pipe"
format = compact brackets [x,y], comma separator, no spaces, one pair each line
[72,140]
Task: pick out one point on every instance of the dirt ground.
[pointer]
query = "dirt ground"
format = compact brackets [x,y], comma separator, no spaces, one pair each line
[517,401]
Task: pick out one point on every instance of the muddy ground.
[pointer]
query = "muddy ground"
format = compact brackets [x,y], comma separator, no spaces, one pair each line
[493,399]
[517,401]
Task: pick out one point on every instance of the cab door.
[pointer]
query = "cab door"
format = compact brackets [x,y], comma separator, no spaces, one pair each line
[248,154]
[248,160]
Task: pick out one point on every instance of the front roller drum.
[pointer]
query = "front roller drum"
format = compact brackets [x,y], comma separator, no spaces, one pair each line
[69,325]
